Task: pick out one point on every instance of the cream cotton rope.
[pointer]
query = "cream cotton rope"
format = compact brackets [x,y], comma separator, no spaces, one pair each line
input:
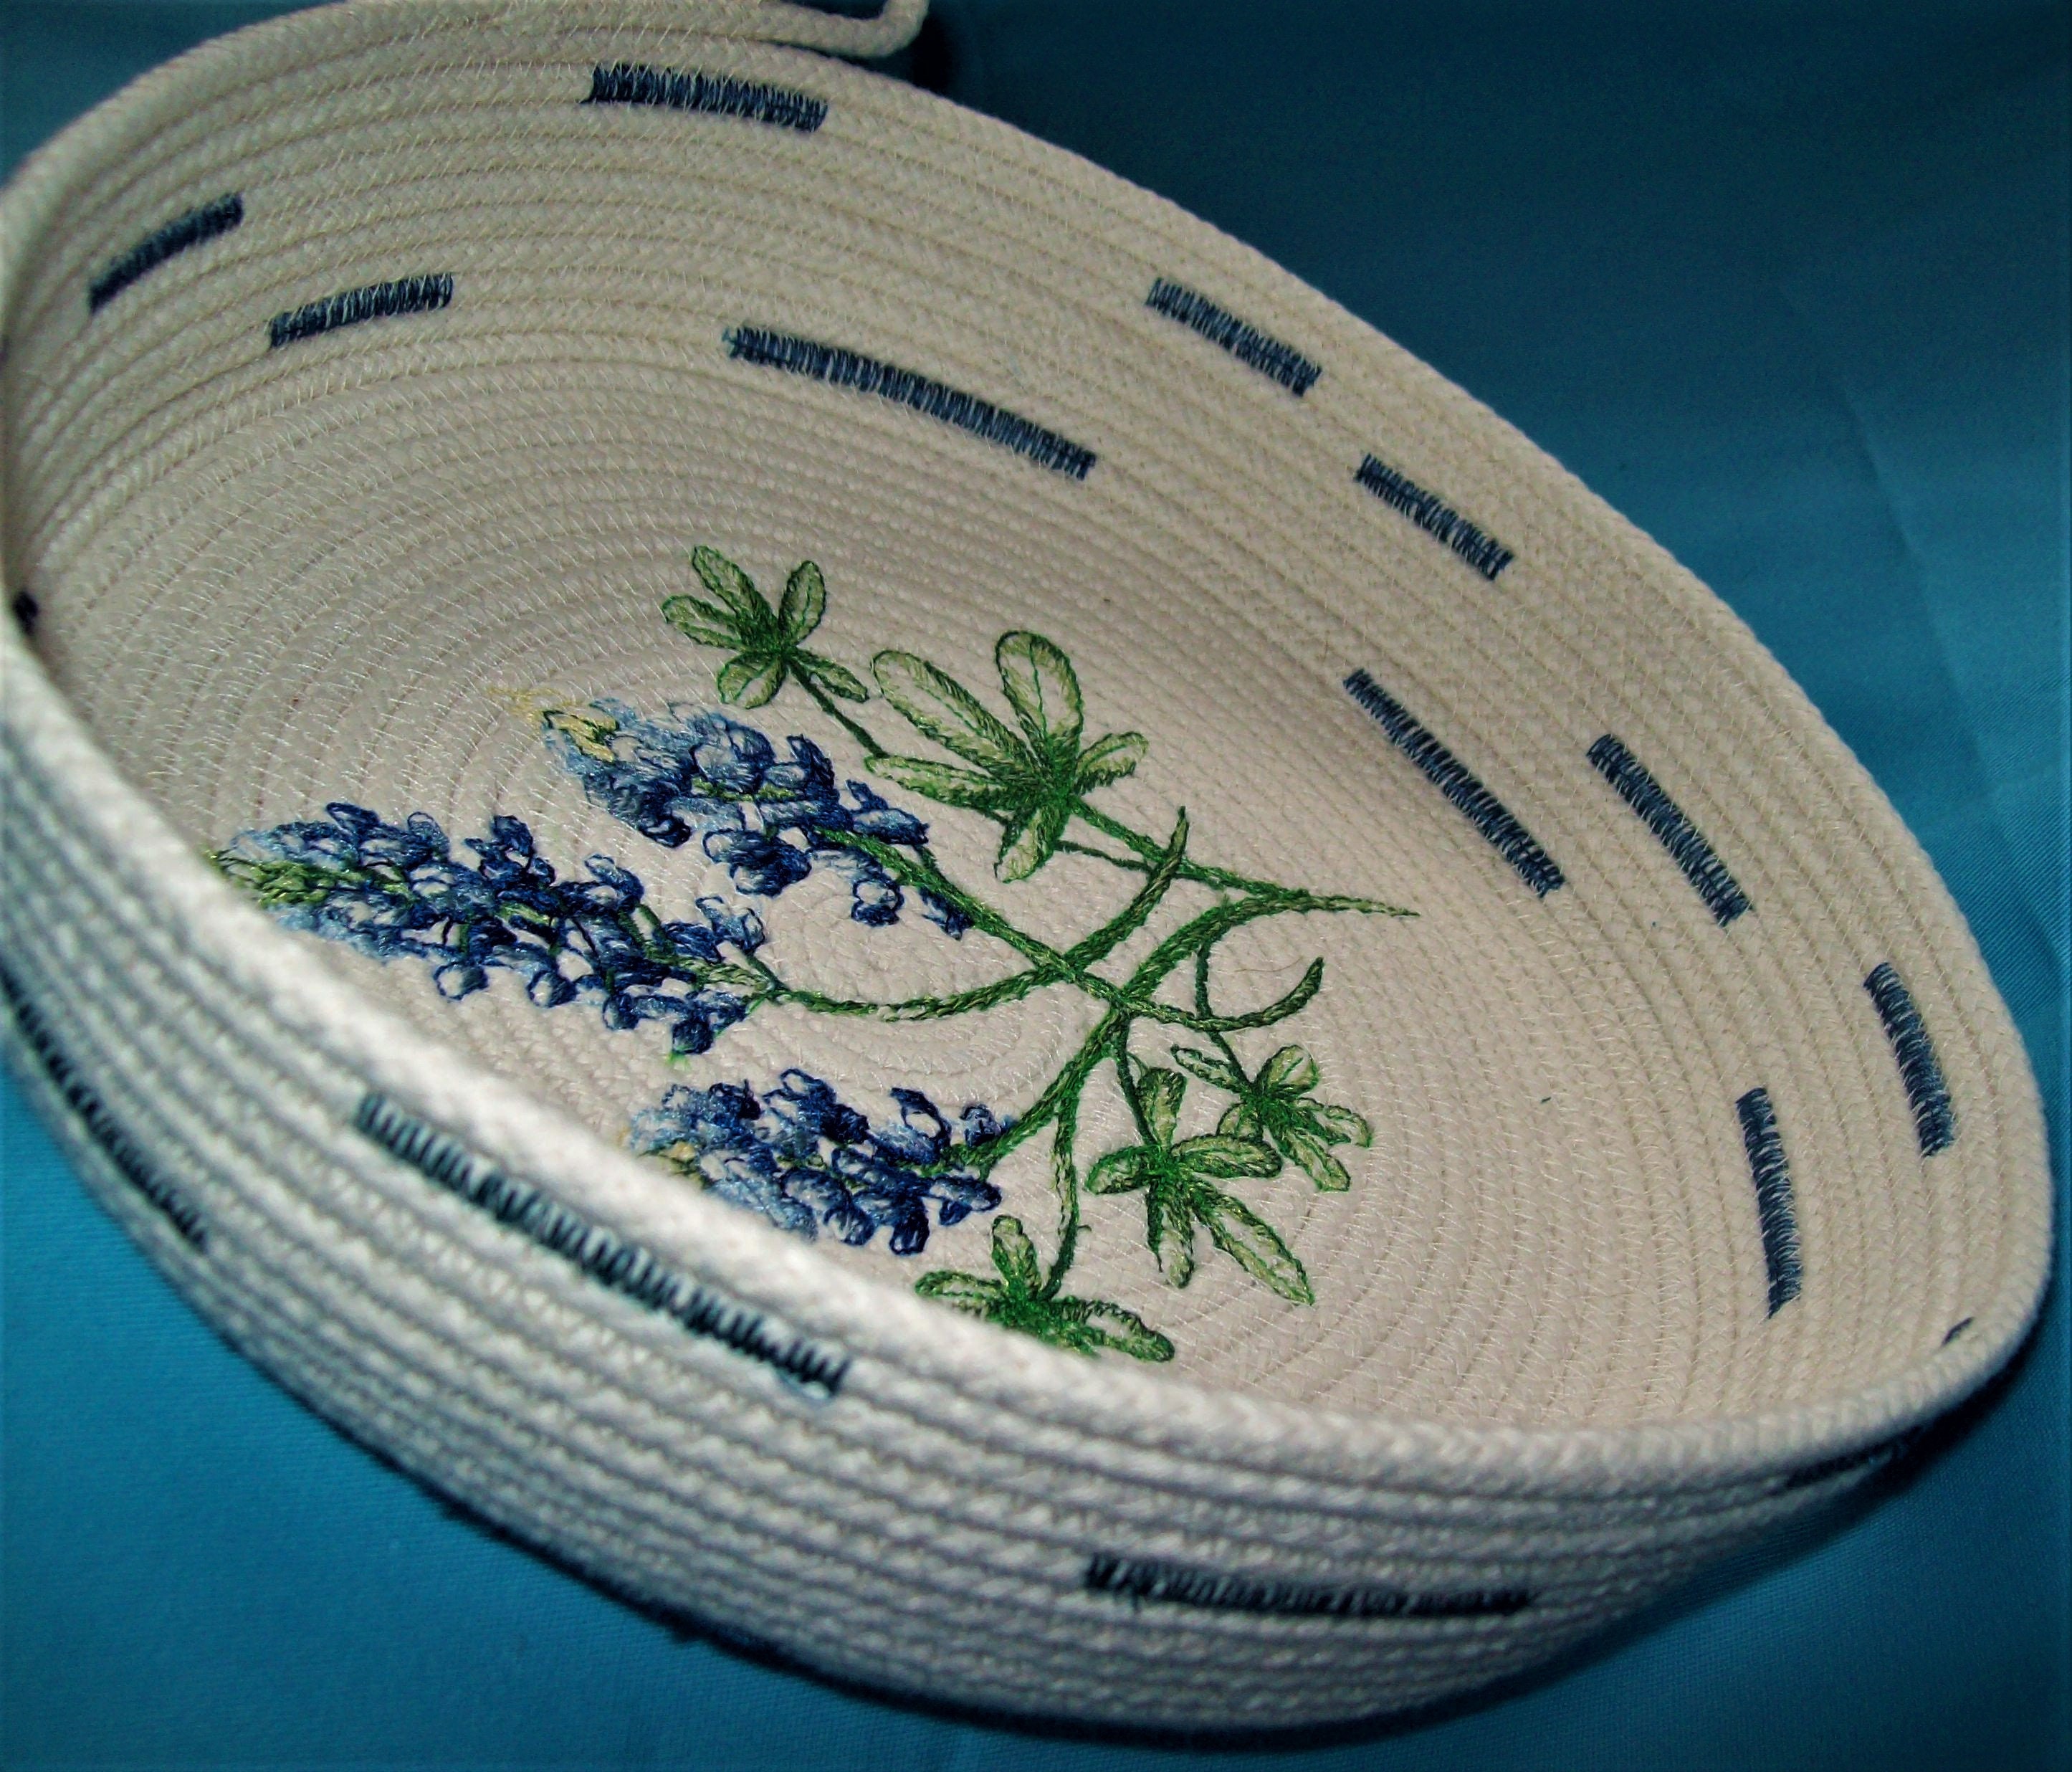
[883,893]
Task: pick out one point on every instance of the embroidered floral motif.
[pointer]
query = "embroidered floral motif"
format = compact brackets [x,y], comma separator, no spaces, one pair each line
[794,1151]
[803,1159]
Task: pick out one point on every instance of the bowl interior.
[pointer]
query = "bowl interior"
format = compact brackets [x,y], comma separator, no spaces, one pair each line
[430,483]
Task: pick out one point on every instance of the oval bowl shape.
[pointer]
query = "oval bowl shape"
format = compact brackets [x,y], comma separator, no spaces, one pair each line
[887,896]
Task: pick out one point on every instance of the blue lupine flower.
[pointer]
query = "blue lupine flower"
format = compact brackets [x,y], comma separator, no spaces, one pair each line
[805,1159]
[768,820]
[395,891]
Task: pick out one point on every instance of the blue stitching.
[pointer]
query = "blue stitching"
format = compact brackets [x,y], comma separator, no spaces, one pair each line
[1772,1174]
[626,1269]
[1140,1579]
[129,1162]
[1268,354]
[178,235]
[1956,1329]
[1934,1120]
[349,307]
[843,369]
[1431,514]
[1685,843]
[719,94]
[1458,783]
[26,609]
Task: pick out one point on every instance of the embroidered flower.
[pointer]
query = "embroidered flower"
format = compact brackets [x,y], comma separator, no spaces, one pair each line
[769,820]
[1279,1106]
[804,1158]
[395,891]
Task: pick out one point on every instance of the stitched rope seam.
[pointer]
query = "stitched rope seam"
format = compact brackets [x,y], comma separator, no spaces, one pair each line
[129,1162]
[1685,843]
[1774,1211]
[1927,1094]
[1139,1579]
[1266,354]
[717,95]
[352,307]
[625,1268]
[177,236]
[1459,783]
[845,368]
[1431,514]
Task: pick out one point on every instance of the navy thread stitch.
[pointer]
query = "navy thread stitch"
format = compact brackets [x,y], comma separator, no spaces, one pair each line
[1431,514]
[1772,1174]
[168,242]
[626,1269]
[1140,1580]
[1685,843]
[1458,783]
[1934,1120]
[719,94]
[26,609]
[129,1162]
[349,307]
[1268,355]
[1956,1329]
[843,369]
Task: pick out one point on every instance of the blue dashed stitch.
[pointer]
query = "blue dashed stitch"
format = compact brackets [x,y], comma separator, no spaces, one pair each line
[626,1269]
[843,369]
[1685,843]
[350,307]
[1459,784]
[1431,514]
[718,95]
[130,1163]
[1934,1120]
[1775,1212]
[1268,355]
[1141,1579]
[178,235]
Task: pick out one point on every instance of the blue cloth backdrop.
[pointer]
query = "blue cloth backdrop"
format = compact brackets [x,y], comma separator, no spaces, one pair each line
[1787,284]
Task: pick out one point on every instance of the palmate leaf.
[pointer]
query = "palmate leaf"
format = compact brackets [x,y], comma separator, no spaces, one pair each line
[1031,837]
[1016,1300]
[768,643]
[1278,1109]
[1037,776]
[942,781]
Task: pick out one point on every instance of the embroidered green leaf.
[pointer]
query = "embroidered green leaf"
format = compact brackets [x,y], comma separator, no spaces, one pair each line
[942,709]
[1177,1179]
[1277,1107]
[838,680]
[752,679]
[1242,1234]
[735,589]
[1042,688]
[1039,775]
[1030,838]
[1111,758]
[943,782]
[805,601]
[1013,1298]
[768,643]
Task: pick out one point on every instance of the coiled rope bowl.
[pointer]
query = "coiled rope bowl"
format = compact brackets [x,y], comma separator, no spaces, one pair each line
[885,895]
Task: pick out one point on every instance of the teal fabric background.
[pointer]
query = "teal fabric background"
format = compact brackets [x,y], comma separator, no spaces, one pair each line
[1788,285]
